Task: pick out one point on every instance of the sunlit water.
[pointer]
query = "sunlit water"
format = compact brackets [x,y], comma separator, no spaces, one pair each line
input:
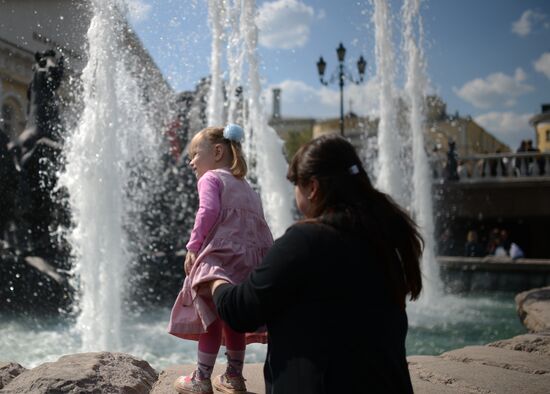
[455,322]
[471,321]
[113,139]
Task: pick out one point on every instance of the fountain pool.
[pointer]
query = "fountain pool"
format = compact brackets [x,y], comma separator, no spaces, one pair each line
[476,319]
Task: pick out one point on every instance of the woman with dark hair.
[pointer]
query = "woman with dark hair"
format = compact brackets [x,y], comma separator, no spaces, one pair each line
[354,258]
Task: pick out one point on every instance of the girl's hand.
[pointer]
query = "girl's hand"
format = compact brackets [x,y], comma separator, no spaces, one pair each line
[190,258]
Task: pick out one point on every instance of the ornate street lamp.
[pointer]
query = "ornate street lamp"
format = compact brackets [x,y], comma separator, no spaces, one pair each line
[341,73]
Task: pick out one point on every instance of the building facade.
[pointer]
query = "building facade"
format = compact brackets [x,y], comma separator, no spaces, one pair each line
[541,123]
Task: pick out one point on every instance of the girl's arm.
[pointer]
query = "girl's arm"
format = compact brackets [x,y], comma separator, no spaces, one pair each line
[209,187]
[270,288]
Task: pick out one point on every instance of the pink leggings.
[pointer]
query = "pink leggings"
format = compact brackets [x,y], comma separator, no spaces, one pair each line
[210,342]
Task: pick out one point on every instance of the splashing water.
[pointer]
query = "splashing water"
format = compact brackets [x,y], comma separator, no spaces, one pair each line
[215,97]
[401,142]
[235,58]
[112,135]
[262,143]
[416,92]
[271,167]
[389,178]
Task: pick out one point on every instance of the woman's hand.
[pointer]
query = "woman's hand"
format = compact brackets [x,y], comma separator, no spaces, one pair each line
[190,259]
[214,284]
[207,289]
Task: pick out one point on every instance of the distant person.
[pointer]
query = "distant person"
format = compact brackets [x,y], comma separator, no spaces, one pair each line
[511,248]
[500,249]
[229,239]
[447,245]
[534,161]
[473,248]
[520,162]
[452,162]
[493,241]
[356,250]
[537,161]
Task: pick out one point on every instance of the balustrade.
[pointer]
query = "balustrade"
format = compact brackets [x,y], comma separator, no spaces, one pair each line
[495,165]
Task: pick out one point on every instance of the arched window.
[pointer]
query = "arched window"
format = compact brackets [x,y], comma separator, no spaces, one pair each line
[547,135]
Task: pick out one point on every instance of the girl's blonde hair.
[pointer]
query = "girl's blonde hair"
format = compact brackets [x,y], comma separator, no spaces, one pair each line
[214,135]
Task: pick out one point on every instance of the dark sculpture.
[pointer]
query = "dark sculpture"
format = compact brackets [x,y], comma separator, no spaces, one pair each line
[8,188]
[37,154]
[32,256]
[43,107]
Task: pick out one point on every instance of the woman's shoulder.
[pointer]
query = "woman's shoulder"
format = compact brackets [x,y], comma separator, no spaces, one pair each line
[313,230]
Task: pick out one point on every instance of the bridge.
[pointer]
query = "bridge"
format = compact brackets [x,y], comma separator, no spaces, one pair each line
[505,190]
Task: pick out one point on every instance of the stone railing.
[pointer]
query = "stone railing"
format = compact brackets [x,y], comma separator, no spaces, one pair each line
[491,273]
[495,165]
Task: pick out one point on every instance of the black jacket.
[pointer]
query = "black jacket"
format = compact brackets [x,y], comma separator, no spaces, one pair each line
[312,290]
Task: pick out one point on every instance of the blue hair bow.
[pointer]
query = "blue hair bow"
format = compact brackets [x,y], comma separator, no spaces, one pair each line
[233,132]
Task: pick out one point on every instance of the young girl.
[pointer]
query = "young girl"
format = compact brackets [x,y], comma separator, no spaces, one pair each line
[229,239]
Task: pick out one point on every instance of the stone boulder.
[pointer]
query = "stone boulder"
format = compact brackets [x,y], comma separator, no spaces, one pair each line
[8,371]
[538,343]
[517,365]
[101,372]
[533,308]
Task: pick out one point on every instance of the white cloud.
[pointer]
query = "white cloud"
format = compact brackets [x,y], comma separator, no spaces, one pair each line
[138,10]
[528,22]
[285,24]
[509,127]
[299,99]
[543,64]
[496,89]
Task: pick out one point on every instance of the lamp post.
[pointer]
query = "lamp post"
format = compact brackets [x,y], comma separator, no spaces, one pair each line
[342,74]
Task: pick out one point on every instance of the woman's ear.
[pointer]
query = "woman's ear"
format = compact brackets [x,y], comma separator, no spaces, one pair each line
[313,189]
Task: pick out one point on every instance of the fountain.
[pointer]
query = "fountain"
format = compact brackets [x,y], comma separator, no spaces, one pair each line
[105,151]
[415,89]
[274,189]
[113,136]
[435,314]
[401,142]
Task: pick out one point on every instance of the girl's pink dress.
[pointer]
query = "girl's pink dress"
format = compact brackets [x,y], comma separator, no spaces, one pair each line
[234,246]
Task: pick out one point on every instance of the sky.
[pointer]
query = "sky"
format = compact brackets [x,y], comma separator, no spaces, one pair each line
[488,59]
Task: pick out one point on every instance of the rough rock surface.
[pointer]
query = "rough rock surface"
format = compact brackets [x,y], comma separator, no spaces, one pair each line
[517,365]
[87,373]
[8,371]
[538,343]
[533,308]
